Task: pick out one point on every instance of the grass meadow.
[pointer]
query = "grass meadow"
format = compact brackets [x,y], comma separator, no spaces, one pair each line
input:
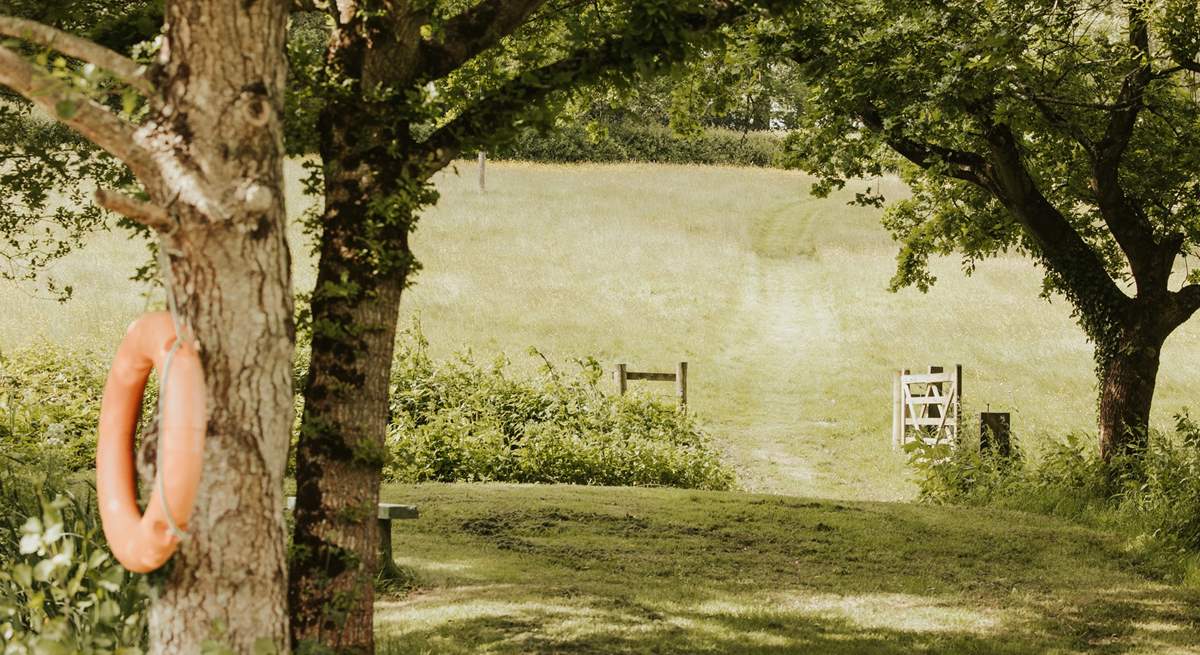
[777,300]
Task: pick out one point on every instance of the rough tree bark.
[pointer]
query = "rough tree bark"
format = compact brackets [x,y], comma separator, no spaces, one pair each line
[1127,381]
[223,79]
[209,157]
[362,270]
[1128,371]
[376,177]
[355,306]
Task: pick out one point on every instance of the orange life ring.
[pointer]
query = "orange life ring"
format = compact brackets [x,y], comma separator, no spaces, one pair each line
[140,542]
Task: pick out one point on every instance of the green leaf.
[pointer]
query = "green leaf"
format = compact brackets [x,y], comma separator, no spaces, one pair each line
[66,109]
[23,574]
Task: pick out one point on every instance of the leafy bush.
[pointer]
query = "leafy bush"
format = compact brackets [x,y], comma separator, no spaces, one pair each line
[643,143]
[50,401]
[462,421]
[1152,497]
[60,589]
[50,398]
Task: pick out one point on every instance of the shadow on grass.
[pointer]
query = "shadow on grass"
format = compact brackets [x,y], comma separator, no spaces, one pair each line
[558,570]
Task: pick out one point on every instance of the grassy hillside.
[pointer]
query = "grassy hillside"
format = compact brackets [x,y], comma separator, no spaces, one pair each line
[776,299]
[541,570]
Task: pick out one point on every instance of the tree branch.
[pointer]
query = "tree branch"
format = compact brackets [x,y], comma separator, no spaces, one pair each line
[476,29]
[88,117]
[150,215]
[1128,223]
[497,110]
[1189,296]
[963,165]
[121,67]
[1065,253]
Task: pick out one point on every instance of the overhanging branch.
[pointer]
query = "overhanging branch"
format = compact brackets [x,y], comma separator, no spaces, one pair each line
[152,216]
[476,29]
[86,116]
[499,108]
[120,66]
[961,164]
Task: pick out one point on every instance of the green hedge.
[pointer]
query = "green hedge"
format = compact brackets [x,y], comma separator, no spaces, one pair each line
[451,421]
[641,143]
[459,420]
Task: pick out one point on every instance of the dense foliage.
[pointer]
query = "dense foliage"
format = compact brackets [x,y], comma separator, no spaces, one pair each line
[61,592]
[47,171]
[460,420]
[1063,130]
[623,142]
[50,401]
[1153,498]
[454,420]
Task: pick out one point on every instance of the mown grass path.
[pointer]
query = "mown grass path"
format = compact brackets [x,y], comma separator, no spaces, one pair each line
[571,570]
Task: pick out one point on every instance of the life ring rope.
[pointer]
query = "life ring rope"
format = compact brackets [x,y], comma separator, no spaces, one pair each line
[164,267]
[158,467]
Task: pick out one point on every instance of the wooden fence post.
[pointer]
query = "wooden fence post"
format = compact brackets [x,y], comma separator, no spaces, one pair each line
[681,384]
[897,409]
[482,170]
[958,390]
[622,376]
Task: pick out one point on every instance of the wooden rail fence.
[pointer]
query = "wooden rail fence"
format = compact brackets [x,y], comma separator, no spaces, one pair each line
[623,376]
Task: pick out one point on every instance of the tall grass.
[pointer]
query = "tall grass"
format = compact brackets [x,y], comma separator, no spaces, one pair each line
[777,300]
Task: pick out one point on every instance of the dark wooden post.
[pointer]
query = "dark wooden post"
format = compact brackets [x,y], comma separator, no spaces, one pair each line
[681,384]
[622,377]
[995,434]
[482,171]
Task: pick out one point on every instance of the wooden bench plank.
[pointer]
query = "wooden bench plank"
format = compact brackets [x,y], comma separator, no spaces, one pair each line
[387,511]
[393,511]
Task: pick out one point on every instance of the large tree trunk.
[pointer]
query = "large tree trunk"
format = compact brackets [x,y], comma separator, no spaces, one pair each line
[1127,380]
[355,306]
[363,269]
[220,140]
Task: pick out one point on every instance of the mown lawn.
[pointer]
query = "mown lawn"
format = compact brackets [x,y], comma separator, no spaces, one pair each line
[571,570]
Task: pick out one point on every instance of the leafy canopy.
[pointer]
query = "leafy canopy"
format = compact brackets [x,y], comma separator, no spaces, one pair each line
[916,87]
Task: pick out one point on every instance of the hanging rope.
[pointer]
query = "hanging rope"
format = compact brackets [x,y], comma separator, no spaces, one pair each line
[164,268]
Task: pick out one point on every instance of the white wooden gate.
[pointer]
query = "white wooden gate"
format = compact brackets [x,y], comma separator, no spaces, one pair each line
[926,406]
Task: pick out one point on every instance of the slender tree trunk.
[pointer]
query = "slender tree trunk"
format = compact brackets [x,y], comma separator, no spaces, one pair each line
[363,269]
[336,543]
[220,138]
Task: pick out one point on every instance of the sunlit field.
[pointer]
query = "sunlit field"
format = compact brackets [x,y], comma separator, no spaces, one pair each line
[777,300]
